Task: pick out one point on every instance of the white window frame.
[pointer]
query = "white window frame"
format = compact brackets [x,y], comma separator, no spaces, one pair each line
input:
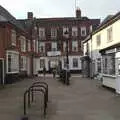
[23,43]
[53,32]
[77,63]
[83,28]
[109,34]
[29,45]
[98,40]
[15,62]
[75,45]
[24,67]
[54,46]
[42,63]
[65,46]
[74,31]
[13,37]
[42,33]
[64,30]
[40,46]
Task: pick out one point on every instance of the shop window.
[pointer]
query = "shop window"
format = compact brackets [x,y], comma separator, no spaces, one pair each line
[109,64]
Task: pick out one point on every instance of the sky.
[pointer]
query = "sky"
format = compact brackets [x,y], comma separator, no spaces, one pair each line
[61,8]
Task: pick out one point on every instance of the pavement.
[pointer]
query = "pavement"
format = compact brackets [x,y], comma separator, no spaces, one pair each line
[83,99]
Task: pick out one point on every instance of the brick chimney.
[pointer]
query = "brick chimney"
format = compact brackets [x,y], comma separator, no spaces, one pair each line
[78,13]
[30,15]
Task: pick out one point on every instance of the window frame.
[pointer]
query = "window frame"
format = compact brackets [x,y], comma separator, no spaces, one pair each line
[65,28]
[75,65]
[23,63]
[74,30]
[13,37]
[53,32]
[14,62]
[74,45]
[23,43]
[110,34]
[98,40]
[42,33]
[54,46]
[41,45]
[83,28]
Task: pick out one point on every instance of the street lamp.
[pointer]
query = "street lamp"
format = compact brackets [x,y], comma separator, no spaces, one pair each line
[66,33]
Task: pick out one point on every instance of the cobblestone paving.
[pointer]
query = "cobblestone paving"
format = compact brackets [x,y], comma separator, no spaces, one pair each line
[84,99]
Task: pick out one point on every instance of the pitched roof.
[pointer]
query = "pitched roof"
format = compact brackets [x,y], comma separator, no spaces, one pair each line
[110,19]
[6,16]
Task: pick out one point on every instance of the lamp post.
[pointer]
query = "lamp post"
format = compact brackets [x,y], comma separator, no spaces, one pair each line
[67,58]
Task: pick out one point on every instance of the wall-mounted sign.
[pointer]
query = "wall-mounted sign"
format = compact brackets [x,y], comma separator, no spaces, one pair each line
[53,53]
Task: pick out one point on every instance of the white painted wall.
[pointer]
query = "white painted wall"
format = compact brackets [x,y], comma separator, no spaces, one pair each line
[71,62]
[104,43]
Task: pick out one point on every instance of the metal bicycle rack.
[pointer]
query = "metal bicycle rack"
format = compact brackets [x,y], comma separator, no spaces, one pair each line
[29,94]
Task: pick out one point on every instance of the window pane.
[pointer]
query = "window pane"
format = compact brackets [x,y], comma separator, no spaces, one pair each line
[42,63]
[75,62]
[109,64]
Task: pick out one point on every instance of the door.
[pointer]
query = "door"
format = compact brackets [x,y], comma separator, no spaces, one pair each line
[1,71]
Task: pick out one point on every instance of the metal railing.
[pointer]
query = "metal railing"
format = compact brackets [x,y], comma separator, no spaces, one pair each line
[29,95]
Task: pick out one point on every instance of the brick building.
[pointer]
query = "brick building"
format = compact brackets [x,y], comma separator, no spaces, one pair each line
[51,41]
[15,48]
[28,45]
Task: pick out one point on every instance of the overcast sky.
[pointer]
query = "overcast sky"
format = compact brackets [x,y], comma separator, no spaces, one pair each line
[61,8]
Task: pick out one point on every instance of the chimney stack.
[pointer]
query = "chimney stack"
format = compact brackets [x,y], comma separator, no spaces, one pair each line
[30,15]
[78,13]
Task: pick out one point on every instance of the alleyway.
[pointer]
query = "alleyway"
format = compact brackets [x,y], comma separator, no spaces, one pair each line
[84,99]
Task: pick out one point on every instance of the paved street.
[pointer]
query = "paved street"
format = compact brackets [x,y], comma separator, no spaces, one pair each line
[84,99]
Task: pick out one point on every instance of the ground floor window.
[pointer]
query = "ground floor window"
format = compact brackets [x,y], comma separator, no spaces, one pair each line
[109,64]
[75,62]
[12,62]
[23,63]
[42,63]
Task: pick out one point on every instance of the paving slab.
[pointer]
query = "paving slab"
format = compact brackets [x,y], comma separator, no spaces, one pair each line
[83,99]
